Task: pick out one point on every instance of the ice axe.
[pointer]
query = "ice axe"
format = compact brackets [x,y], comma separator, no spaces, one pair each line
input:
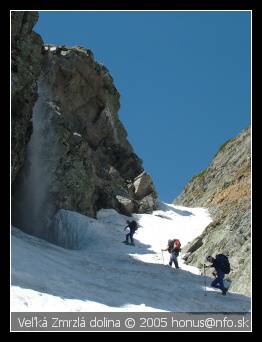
[205,281]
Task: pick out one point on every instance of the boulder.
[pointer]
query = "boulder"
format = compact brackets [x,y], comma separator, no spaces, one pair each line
[147,204]
[127,204]
[143,186]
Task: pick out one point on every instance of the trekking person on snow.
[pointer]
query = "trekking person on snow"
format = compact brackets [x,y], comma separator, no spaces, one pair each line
[132,225]
[222,267]
[173,247]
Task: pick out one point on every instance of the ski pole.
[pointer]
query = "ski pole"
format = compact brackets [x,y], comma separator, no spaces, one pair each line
[162,256]
[205,280]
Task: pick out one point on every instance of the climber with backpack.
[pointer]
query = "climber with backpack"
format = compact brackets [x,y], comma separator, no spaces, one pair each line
[132,226]
[222,267]
[173,247]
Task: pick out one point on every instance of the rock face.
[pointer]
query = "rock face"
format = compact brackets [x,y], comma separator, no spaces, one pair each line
[78,157]
[224,187]
[26,55]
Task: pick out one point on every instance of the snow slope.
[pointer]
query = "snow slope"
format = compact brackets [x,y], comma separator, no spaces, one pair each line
[106,275]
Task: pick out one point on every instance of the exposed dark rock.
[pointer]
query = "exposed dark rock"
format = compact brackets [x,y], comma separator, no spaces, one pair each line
[26,47]
[77,153]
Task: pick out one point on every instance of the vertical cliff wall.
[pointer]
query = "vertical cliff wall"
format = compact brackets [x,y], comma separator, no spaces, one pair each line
[26,47]
[78,156]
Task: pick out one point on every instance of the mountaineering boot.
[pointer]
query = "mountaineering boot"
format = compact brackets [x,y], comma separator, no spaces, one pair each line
[126,242]
[132,244]
[224,292]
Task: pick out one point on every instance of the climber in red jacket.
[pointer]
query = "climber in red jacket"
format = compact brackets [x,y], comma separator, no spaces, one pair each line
[173,247]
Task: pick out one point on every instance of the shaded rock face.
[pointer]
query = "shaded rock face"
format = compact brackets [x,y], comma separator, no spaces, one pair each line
[224,188]
[26,47]
[78,157]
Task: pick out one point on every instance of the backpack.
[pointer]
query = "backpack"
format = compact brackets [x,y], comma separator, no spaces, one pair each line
[133,225]
[177,245]
[174,244]
[223,263]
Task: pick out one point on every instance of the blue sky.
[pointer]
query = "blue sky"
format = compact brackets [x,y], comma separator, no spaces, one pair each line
[184,80]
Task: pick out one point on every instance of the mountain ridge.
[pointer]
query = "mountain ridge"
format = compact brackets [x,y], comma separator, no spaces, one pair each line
[225,189]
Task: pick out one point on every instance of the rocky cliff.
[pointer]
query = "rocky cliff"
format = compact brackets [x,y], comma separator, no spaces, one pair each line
[26,56]
[78,156]
[224,188]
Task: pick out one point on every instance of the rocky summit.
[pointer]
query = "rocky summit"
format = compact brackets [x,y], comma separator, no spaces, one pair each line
[225,189]
[69,148]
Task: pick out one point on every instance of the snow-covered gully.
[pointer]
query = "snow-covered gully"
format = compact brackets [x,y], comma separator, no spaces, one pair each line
[106,275]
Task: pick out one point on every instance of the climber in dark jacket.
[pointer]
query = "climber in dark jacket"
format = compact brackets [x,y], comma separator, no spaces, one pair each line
[132,225]
[218,282]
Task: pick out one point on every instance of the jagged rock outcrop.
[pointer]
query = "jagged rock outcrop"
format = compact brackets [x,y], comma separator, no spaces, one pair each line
[224,188]
[78,157]
[26,47]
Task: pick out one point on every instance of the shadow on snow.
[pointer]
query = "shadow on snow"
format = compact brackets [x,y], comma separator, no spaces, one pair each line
[124,280]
